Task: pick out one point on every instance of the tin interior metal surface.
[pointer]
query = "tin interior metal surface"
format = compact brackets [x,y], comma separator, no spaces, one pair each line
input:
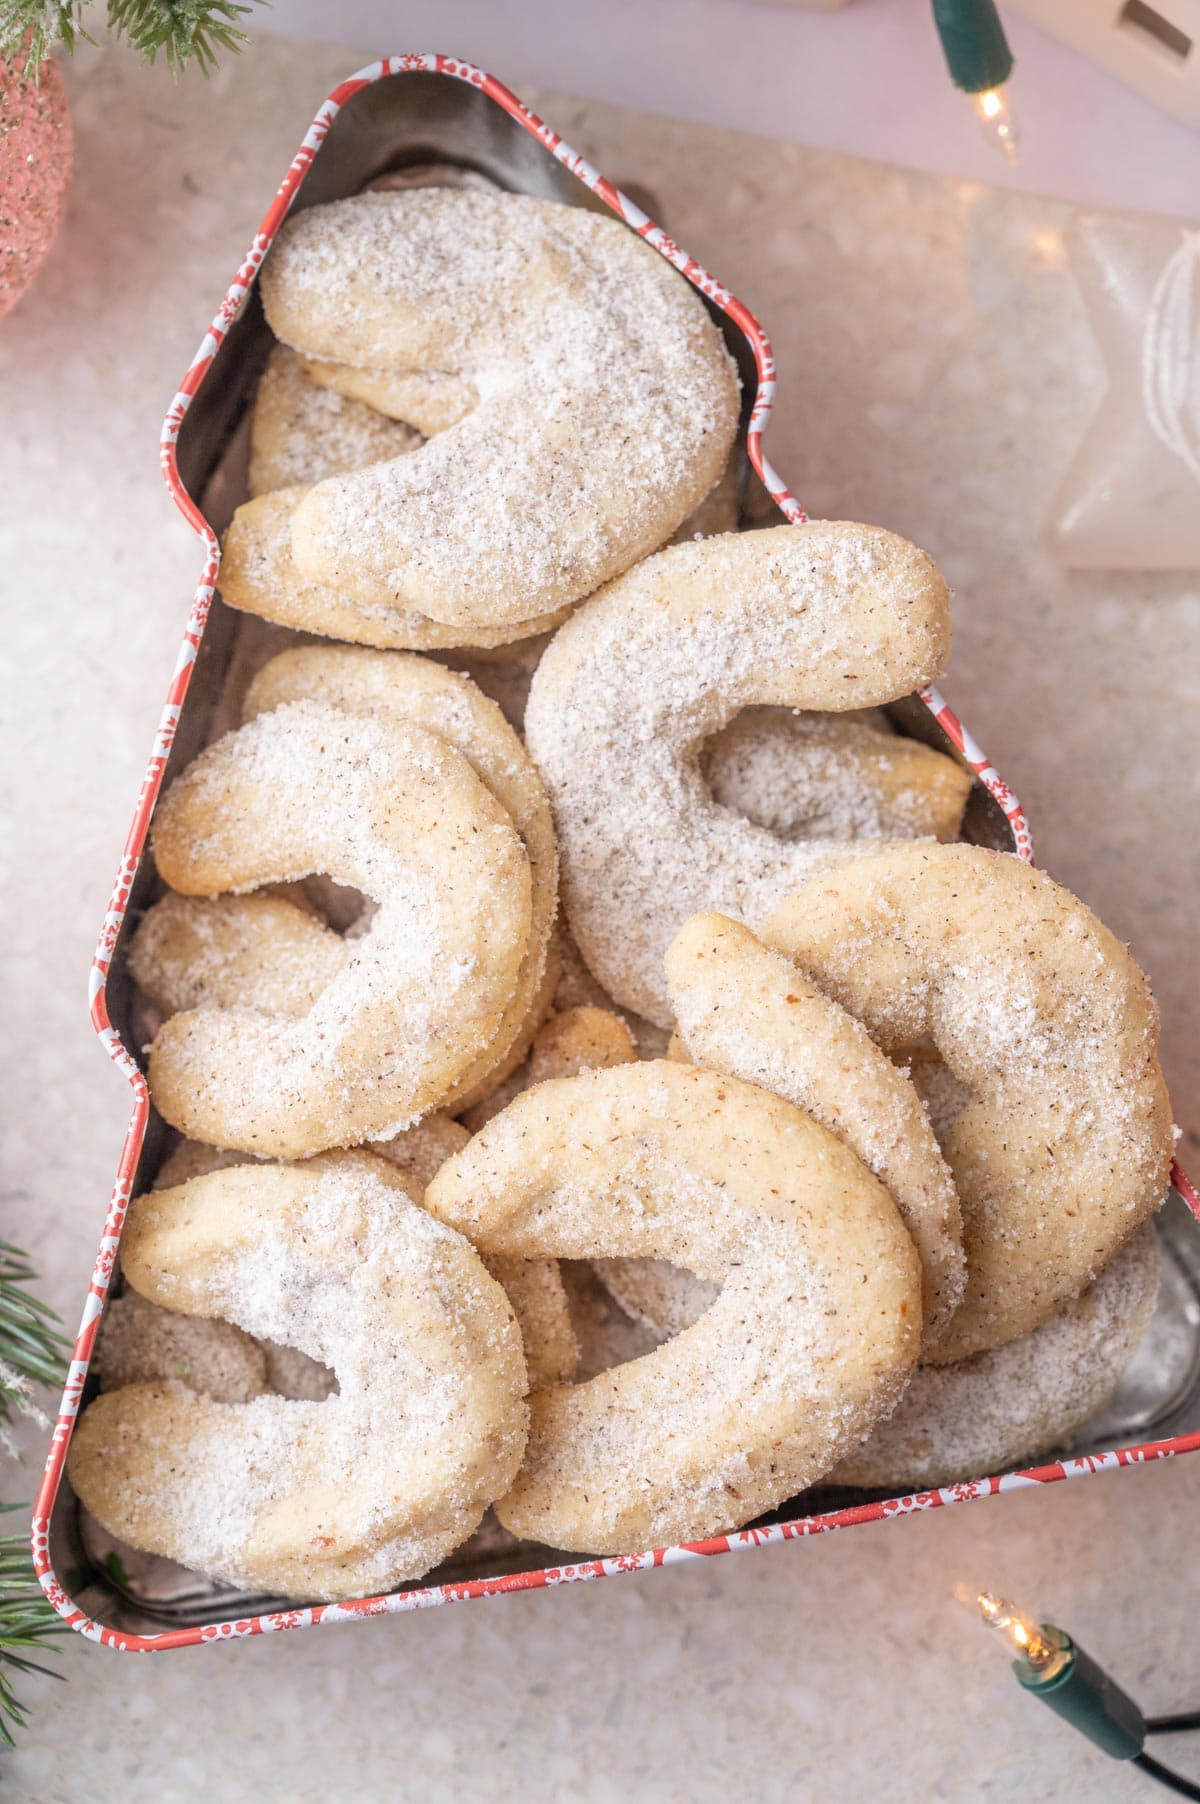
[430,118]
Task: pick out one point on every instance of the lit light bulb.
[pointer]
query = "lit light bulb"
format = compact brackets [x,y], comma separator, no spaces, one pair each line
[1024,1635]
[993,109]
[1052,1667]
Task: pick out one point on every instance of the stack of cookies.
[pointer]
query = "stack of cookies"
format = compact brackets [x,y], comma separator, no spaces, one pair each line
[607,1089]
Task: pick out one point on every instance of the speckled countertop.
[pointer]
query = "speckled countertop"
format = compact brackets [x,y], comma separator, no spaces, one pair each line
[936,376]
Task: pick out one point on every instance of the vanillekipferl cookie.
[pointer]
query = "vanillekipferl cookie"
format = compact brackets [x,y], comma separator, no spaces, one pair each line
[417,691]
[607,405]
[393,811]
[342,1498]
[825,616]
[1062,1145]
[814,1333]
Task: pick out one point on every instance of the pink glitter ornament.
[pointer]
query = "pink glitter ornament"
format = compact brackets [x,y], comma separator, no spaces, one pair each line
[36,151]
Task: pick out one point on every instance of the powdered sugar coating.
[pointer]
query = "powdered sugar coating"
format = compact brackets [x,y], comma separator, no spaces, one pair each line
[823,616]
[141,1343]
[823,776]
[260,576]
[1065,1144]
[427,401]
[399,814]
[289,1372]
[413,689]
[301,432]
[342,1498]
[607,401]
[750,1013]
[505,672]
[815,1330]
[1003,1408]
[262,952]
[533,1286]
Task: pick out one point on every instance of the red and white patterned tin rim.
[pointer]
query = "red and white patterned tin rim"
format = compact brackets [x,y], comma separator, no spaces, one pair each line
[425,1597]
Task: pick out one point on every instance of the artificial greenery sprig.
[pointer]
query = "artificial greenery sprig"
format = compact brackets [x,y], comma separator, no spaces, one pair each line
[182,31]
[32,1351]
[31,1348]
[37,27]
[26,1623]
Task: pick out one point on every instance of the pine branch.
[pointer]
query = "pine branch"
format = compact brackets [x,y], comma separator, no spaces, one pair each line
[183,30]
[32,1351]
[27,1620]
[46,24]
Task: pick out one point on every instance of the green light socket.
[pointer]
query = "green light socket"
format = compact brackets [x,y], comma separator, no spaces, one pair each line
[977,52]
[1082,1693]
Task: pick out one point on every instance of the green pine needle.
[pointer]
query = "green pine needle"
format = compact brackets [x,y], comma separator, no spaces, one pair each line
[27,1620]
[32,1351]
[183,31]
[46,23]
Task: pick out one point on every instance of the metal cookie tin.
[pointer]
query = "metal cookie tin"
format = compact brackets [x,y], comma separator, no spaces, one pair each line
[421,109]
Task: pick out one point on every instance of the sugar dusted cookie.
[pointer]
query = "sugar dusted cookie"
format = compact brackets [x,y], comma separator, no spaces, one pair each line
[413,1002]
[811,1339]
[607,401]
[1063,1146]
[341,1498]
[824,616]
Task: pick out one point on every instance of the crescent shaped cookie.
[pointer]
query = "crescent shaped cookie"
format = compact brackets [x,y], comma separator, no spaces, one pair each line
[608,403]
[413,689]
[1063,1146]
[826,616]
[336,1499]
[394,812]
[814,1333]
